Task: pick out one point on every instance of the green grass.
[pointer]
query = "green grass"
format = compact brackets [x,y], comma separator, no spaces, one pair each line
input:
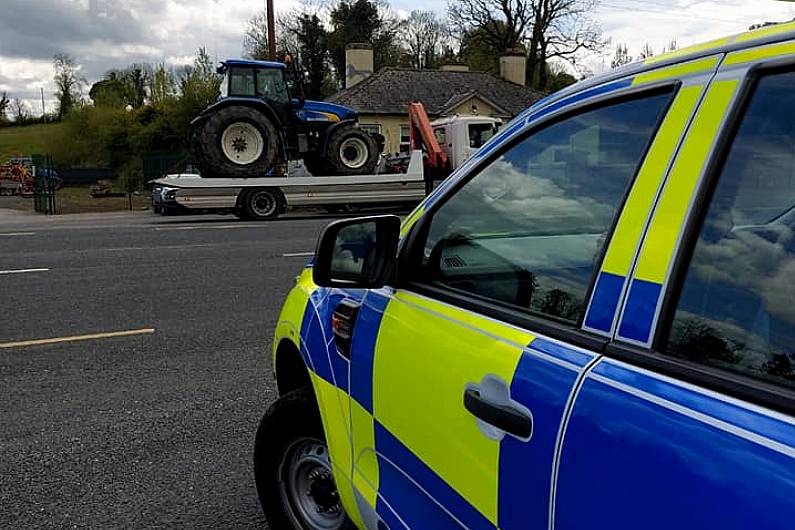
[27,139]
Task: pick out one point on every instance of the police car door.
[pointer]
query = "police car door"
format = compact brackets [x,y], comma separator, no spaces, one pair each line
[460,377]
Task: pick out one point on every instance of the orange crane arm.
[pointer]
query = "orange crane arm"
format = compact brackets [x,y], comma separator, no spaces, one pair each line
[421,135]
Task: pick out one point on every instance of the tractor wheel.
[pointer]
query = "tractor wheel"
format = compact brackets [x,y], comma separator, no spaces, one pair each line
[235,142]
[352,151]
[316,167]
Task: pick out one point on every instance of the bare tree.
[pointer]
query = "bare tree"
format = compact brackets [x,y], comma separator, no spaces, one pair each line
[68,82]
[545,29]
[503,24]
[561,29]
[646,52]
[255,38]
[621,56]
[19,110]
[424,35]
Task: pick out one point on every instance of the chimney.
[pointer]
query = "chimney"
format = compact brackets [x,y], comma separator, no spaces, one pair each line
[358,62]
[512,67]
[454,68]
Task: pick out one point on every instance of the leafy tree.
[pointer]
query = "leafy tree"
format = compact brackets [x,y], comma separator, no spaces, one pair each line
[621,56]
[478,50]
[313,45]
[559,78]
[109,92]
[68,82]
[424,35]
[4,106]
[162,86]
[362,21]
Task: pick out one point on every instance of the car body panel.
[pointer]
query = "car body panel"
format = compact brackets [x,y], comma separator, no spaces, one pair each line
[614,445]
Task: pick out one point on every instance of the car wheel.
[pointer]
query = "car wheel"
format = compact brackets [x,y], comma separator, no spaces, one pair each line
[236,142]
[292,468]
[352,151]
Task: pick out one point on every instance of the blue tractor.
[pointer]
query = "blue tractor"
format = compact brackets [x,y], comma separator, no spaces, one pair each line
[262,120]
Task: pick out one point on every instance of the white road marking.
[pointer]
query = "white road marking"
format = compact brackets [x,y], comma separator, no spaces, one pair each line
[73,338]
[14,234]
[22,271]
[297,254]
[206,227]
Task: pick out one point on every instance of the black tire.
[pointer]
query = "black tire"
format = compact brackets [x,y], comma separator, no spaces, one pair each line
[341,146]
[316,167]
[208,153]
[261,203]
[291,419]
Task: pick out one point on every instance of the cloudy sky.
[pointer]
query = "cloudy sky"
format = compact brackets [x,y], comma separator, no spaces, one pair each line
[104,34]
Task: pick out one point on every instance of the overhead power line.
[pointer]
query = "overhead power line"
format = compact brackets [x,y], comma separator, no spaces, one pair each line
[672,14]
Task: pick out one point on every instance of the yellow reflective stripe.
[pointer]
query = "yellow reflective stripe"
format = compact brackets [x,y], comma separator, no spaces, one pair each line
[332,403]
[621,252]
[762,52]
[330,116]
[766,32]
[420,390]
[669,216]
[292,314]
[517,336]
[412,218]
[677,71]
[365,474]
[705,46]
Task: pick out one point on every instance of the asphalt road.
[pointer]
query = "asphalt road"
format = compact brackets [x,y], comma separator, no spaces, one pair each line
[147,430]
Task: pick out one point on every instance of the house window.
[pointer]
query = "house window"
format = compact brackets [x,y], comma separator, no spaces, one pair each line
[405,139]
[372,128]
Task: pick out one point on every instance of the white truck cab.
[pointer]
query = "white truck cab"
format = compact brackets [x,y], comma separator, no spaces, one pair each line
[460,136]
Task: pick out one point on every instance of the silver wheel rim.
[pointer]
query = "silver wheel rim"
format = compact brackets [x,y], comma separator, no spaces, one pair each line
[242,143]
[307,487]
[353,152]
[263,203]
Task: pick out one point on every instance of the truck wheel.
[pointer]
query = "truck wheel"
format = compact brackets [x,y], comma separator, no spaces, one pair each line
[235,142]
[292,468]
[262,203]
[352,151]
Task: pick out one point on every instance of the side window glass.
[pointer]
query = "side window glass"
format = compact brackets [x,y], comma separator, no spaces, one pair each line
[241,82]
[528,229]
[736,310]
[271,85]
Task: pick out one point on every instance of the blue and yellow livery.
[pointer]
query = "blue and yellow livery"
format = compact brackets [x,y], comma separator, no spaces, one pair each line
[588,325]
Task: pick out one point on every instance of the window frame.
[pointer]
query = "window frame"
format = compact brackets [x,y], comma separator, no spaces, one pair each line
[407,143]
[412,248]
[734,384]
[253,74]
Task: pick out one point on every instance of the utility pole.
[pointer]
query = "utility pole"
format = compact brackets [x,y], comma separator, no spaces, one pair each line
[271,30]
[43,110]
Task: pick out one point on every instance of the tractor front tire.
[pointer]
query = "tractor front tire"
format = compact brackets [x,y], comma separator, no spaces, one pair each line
[352,151]
[236,142]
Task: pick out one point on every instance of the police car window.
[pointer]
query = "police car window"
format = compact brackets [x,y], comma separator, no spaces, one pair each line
[271,85]
[528,229]
[736,310]
[241,82]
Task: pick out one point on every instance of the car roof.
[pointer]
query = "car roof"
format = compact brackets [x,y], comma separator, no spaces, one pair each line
[252,62]
[764,35]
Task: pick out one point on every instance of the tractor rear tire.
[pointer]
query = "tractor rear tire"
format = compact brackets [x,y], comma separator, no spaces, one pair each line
[352,151]
[236,142]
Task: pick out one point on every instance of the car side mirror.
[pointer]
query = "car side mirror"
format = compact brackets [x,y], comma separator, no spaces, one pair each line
[357,253]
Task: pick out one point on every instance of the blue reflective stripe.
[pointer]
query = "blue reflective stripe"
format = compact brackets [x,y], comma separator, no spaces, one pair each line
[579,96]
[388,517]
[561,352]
[605,301]
[729,411]
[363,348]
[313,347]
[639,311]
[409,501]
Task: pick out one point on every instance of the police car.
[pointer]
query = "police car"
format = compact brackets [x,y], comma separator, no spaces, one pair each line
[591,324]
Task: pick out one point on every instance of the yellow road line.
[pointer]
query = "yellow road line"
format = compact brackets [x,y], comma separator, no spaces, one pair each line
[73,338]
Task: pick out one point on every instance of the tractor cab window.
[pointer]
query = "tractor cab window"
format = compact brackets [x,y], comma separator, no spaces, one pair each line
[241,82]
[271,85]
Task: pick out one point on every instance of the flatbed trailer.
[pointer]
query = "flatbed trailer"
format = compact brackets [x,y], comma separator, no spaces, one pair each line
[267,197]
